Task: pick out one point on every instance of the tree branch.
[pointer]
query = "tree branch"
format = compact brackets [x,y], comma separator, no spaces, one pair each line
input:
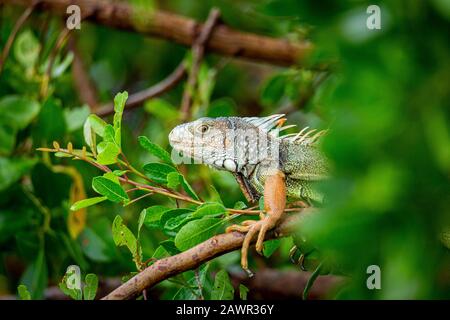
[198,51]
[84,85]
[194,257]
[138,98]
[270,284]
[224,40]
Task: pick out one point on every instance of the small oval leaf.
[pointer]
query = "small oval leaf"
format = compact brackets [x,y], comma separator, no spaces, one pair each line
[113,191]
[86,203]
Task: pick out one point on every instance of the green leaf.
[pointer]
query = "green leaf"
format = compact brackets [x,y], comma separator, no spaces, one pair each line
[243,291]
[96,124]
[75,292]
[111,176]
[273,90]
[35,276]
[18,111]
[94,246]
[51,124]
[173,213]
[176,222]
[188,188]
[240,205]
[26,49]
[209,209]
[11,169]
[109,134]
[113,191]
[270,247]
[86,203]
[52,188]
[311,281]
[195,232]
[72,248]
[14,222]
[214,195]
[76,117]
[169,246]
[119,101]
[124,237]
[59,68]
[158,171]
[119,173]
[155,150]
[7,138]
[153,215]
[62,155]
[160,252]
[90,286]
[119,105]
[141,221]
[174,179]
[23,292]
[107,153]
[223,289]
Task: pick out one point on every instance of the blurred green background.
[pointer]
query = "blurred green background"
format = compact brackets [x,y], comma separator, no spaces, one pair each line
[385,100]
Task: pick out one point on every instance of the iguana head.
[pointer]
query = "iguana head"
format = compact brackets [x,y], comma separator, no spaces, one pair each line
[227,143]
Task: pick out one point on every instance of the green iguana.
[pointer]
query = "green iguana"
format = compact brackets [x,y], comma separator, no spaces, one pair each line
[263,162]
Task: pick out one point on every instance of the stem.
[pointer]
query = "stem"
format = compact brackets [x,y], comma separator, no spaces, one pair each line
[139,198]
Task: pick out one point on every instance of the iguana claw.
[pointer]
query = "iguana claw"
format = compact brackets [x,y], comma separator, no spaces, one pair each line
[252,227]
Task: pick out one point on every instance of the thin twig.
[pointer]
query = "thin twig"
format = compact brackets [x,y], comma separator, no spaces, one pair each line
[198,51]
[19,23]
[139,198]
[48,73]
[136,99]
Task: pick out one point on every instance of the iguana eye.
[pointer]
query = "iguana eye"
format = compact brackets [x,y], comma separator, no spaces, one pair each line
[203,128]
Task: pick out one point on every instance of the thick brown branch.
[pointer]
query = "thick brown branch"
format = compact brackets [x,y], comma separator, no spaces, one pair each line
[198,51]
[224,40]
[194,257]
[138,98]
[270,284]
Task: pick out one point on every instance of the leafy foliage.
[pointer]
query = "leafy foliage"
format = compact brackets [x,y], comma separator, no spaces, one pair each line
[382,93]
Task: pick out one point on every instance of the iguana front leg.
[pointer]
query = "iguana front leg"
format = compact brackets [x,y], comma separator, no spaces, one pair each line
[274,205]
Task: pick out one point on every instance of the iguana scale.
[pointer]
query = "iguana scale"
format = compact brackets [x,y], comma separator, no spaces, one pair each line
[263,161]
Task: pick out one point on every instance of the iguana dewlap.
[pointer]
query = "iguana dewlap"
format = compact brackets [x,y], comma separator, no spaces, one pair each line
[263,162]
